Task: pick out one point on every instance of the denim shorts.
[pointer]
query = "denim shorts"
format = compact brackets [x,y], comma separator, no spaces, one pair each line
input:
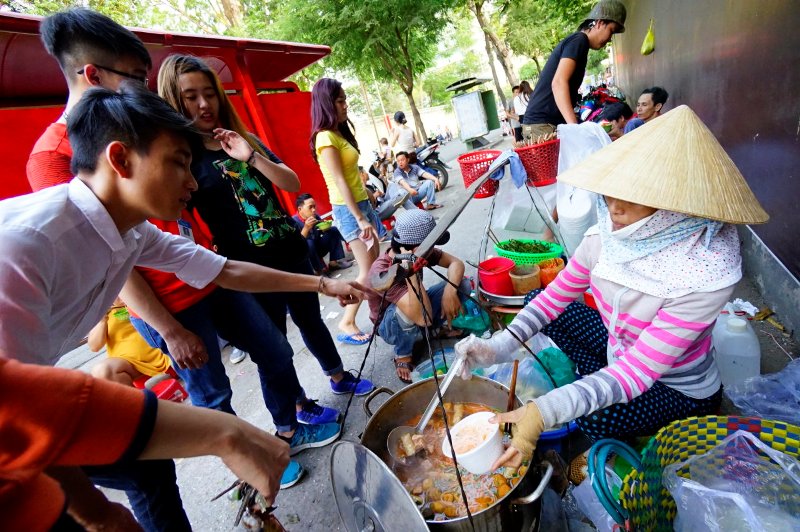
[397,332]
[346,223]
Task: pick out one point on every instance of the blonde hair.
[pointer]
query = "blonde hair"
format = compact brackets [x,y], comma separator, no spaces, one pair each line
[170,90]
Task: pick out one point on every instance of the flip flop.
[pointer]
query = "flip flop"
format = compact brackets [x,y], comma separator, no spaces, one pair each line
[341,264]
[404,365]
[352,339]
[445,333]
[433,206]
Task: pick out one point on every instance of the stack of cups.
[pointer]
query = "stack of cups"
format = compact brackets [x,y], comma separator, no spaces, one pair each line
[576,214]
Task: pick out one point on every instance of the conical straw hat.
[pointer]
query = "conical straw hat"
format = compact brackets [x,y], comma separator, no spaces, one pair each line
[674,163]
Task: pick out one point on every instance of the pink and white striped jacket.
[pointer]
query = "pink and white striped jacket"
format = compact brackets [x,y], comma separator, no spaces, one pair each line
[649,339]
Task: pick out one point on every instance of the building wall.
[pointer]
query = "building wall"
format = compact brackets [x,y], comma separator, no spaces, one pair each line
[737,64]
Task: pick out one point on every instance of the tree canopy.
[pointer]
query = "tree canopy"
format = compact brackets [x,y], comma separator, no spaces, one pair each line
[393,39]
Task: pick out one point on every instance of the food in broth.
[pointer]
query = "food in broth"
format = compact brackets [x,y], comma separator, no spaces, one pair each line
[471,436]
[431,477]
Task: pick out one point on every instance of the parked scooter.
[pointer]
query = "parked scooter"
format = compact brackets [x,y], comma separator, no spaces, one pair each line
[427,157]
[378,181]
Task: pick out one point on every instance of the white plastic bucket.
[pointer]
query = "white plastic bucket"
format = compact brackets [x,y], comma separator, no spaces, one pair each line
[479,459]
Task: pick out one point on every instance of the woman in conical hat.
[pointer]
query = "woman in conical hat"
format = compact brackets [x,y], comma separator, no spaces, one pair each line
[661,263]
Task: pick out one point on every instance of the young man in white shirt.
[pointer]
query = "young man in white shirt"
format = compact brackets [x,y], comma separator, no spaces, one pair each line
[66,251]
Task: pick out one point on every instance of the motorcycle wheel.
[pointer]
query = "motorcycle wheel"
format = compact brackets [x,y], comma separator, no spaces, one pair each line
[441,171]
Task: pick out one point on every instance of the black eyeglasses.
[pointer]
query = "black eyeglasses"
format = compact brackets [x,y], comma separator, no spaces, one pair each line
[140,79]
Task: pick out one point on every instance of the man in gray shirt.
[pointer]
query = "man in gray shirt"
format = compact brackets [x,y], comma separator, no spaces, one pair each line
[420,184]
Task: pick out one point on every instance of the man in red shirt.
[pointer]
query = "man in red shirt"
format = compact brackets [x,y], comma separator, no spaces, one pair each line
[92,51]
[97,422]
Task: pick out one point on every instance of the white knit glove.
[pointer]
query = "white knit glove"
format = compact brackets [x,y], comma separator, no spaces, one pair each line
[479,353]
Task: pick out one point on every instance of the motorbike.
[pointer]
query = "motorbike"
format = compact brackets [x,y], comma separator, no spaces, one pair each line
[591,106]
[427,157]
[378,181]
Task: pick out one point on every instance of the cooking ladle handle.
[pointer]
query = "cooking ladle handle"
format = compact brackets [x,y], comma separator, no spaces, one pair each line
[455,367]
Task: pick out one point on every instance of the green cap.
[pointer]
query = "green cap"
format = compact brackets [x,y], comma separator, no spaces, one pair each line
[612,10]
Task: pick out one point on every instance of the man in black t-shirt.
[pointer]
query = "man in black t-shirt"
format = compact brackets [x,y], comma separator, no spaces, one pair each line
[556,93]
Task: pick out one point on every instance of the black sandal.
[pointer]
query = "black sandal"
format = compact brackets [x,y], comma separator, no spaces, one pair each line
[404,365]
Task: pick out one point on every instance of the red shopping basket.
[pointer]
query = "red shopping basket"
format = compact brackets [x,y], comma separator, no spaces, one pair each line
[540,162]
[473,165]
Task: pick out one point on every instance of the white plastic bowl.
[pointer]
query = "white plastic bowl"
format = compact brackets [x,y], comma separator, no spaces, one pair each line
[478,460]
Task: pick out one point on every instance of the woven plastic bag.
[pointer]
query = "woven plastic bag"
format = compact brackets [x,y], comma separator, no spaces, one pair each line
[739,485]
[771,396]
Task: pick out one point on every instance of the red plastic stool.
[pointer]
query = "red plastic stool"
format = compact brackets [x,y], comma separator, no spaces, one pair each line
[166,386]
[388,223]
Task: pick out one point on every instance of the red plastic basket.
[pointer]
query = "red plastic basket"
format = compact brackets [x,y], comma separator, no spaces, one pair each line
[540,162]
[473,165]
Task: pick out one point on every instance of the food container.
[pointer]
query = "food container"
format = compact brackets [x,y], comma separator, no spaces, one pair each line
[324,225]
[588,299]
[481,441]
[524,279]
[553,439]
[549,270]
[493,275]
[521,259]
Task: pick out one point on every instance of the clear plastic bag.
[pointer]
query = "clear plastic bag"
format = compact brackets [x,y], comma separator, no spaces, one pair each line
[771,396]
[740,485]
[515,211]
[590,504]
[532,381]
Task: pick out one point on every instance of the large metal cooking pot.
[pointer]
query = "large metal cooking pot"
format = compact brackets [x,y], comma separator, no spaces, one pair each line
[519,509]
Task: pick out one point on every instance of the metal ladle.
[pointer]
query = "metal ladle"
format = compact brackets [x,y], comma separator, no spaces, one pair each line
[394,438]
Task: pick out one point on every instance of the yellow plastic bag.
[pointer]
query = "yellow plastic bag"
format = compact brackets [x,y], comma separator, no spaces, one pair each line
[649,43]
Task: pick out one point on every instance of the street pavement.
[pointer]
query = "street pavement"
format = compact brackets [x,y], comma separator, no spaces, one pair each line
[310,505]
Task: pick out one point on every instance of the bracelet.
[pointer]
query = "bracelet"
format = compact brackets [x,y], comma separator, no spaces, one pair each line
[252,159]
[321,287]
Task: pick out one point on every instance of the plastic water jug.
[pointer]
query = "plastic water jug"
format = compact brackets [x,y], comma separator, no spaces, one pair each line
[738,353]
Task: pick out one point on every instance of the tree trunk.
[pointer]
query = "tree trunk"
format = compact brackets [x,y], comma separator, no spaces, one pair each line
[538,66]
[499,87]
[369,111]
[503,51]
[232,10]
[422,137]
[403,72]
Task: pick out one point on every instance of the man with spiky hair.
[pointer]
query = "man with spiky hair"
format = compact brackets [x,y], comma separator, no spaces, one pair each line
[92,51]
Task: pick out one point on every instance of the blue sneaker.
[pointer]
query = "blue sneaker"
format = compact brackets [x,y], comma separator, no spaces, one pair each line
[292,474]
[314,414]
[310,436]
[351,384]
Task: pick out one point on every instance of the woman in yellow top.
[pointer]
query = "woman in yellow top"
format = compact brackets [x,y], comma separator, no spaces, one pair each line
[334,147]
[129,356]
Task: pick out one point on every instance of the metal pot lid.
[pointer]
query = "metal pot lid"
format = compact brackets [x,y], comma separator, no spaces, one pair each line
[368,494]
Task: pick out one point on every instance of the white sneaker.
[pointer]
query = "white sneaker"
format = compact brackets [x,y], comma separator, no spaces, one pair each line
[237,355]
